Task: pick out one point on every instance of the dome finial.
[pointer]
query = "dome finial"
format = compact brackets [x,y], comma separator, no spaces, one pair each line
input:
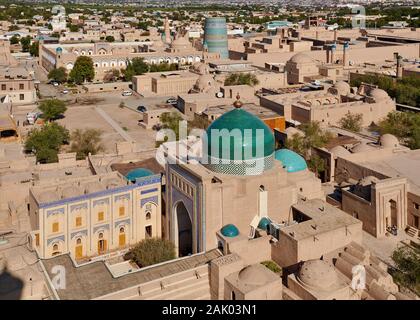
[237,103]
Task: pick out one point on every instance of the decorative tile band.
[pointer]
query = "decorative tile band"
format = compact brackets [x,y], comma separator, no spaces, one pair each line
[153,199]
[58,238]
[103,226]
[55,211]
[126,221]
[79,233]
[149,191]
[78,207]
[122,197]
[100,202]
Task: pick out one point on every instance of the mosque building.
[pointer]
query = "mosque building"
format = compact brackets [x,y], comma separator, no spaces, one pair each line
[240,182]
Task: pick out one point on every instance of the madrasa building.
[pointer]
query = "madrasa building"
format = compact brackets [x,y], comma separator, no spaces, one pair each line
[239,183]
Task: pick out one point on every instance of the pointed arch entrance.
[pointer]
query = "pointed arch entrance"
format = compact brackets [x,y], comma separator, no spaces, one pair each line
[183,230]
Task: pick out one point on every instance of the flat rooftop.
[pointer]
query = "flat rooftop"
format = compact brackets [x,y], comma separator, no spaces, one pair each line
[402,164]
[94,280]
[77,187]
[323,218]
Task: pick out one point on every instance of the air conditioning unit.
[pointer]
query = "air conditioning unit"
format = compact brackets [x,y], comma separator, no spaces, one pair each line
[274,230]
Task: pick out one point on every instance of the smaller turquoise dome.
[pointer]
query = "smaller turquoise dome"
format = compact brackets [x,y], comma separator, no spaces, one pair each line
[291,160]
[134,174]
[230,231]
[59,50]
[264,223]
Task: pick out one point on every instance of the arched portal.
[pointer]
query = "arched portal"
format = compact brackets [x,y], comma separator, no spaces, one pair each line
[184,230]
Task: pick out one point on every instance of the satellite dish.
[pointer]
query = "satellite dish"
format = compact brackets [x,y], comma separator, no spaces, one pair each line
[219,94]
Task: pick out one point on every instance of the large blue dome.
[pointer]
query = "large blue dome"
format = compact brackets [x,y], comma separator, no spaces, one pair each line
[291,161]
[238,140]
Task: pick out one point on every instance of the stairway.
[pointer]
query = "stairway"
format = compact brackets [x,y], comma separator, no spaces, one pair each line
[190,285]
[412,232]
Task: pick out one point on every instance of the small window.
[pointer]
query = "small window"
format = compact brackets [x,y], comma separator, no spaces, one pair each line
[55,247]
[148,215]
[79,241]
[21,97]
[3,87]
[21,86]
[78,221]
[122,211]
[416,206]
[55,227]
[148,232]
[100,216]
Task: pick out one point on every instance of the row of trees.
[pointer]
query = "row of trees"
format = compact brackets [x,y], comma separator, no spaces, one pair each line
[27,44]
[235,79]
[404,125]
[82,71]
[137,66]
[405,90]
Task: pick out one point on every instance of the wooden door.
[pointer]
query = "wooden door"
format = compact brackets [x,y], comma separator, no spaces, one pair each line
[79,252]
[122,240]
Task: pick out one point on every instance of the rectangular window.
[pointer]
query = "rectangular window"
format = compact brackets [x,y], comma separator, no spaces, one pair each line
[148,232]
[3,87]
[21,86]
[55,227]
[416,205]
[78,221]
[122,211]
[21,97]
[100,216]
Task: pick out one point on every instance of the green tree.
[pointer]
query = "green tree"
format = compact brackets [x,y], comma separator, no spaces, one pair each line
[58,74]
[170,120]
[13,27]
[352,122]
[83,70]
[45,142]
[86,141]
[135,67]
[52,109]
[407,267]
[25,42]
[112,75]
[316,164]
[109,39]
[34,49]
[313,136]
[14,39]
[235,79]
[73,27]
[152,251]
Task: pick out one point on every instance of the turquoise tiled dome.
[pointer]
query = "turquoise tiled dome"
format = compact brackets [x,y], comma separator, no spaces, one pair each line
[234,140]
[291,160]
[264,223]
[138,173]
[229,230]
